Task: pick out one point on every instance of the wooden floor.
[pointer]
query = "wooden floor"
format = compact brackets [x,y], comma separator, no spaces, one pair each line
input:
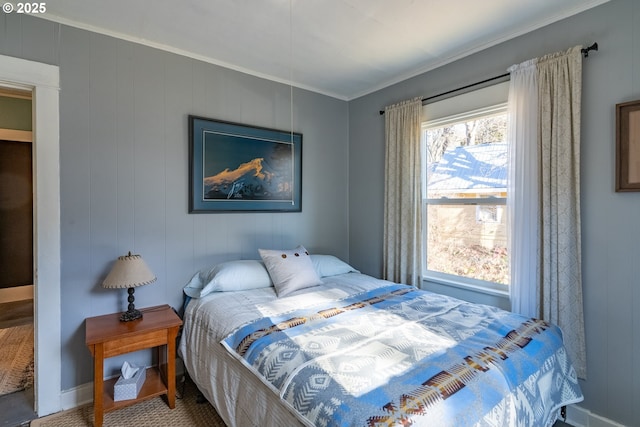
[16,409]
[16,313]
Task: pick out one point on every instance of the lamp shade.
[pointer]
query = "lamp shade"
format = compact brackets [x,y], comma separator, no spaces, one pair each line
[129,271]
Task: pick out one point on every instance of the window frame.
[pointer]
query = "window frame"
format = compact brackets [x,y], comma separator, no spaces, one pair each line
[495,103]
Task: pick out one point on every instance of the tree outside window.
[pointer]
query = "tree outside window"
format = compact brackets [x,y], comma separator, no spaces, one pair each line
[466,191]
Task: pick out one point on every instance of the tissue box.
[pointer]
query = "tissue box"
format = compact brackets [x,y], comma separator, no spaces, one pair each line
[129,388]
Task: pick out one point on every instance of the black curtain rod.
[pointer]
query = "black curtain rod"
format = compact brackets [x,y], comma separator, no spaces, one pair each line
[585,53]
[461,88]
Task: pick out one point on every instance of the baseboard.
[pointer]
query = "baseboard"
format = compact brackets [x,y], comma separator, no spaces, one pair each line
[83,394]
[581,417]
[77,396]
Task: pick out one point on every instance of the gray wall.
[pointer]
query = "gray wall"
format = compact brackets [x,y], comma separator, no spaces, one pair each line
[124,175]
[610,227]
[124,169]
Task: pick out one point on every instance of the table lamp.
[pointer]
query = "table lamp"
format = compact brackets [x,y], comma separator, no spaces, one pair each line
[129,271]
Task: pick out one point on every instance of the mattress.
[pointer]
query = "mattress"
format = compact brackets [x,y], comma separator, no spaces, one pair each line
[363,351]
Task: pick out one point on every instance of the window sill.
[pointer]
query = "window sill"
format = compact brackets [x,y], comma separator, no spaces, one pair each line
[477,294]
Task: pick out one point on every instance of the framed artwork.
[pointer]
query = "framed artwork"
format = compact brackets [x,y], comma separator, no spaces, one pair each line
[239,168]
[628,146]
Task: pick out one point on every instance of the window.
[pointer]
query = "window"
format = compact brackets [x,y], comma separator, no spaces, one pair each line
[465,193]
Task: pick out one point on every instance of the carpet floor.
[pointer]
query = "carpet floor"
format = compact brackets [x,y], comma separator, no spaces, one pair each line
[150,413]
[16,358]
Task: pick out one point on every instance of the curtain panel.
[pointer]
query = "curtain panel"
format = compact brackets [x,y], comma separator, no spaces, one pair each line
[403,193]
[560,269]
[522,200]
[544,180]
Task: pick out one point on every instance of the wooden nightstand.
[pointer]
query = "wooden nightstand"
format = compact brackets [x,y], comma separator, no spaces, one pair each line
[106,336]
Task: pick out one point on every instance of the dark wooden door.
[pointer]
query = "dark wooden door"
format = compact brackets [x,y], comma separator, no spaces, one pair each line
[16,214]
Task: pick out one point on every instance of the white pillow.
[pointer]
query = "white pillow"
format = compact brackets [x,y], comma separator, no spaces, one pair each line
[290,270]
[240,275]
[328,265]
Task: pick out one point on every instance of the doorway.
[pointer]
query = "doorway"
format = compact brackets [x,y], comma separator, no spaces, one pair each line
[16,256]
[43,81]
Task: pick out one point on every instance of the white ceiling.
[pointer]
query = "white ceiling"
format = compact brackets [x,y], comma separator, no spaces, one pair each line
[341,48]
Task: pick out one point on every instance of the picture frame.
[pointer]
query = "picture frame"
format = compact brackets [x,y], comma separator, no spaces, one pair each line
[628,146]
[235,167]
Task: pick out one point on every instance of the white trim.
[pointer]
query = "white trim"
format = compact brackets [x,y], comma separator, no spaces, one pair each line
[83,394]
[43,80]
[467,283]
[18,72]
[77,396]
[189,54]
[483,102]
[465,116]
[580,417]
[586,5]
[478,102]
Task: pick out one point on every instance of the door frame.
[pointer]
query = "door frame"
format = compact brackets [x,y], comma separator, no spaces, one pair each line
[44,82]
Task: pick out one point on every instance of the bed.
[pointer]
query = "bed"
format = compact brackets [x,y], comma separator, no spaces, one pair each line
[347,349]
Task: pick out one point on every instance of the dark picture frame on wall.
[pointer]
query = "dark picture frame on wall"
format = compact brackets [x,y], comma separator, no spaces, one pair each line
[240,168]
[628,146]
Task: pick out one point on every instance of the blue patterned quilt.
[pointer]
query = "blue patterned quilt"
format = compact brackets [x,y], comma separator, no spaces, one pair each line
[401,356]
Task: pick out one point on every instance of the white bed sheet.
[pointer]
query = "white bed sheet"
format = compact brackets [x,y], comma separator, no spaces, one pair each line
[240,397]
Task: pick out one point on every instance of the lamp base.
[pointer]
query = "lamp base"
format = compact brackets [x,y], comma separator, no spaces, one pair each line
[130,315]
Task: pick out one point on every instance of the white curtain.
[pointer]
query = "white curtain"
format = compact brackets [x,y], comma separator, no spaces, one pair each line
[403,193]
[545,226]
[522,203]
